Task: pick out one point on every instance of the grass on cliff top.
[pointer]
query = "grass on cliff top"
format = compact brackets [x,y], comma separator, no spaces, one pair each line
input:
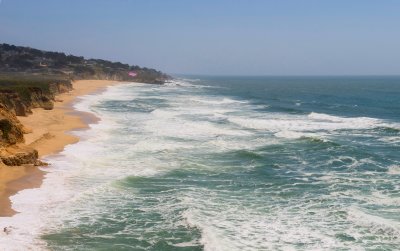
[9,81]
[23,83]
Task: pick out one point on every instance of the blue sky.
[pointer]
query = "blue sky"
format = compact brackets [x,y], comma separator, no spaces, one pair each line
[238,37]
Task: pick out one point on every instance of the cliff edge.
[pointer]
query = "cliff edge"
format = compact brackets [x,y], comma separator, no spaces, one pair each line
[31,78]
[18,100]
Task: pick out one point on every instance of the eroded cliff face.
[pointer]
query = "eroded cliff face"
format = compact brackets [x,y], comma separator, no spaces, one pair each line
[17,155]
[11,130]
[33,97]
[12,150]
[12,102]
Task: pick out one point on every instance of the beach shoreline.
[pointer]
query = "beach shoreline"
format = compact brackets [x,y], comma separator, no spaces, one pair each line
[48,135]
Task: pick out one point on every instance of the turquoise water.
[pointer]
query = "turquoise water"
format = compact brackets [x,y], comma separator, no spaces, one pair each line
[223,163]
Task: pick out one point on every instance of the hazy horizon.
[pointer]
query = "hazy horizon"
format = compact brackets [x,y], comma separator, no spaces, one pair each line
[258,38]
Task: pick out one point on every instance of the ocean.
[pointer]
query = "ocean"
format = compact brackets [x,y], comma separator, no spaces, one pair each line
[226,163]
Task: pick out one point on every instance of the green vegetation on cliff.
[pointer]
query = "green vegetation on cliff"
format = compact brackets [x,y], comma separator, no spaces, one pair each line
[31,78]
[26,60]
[19,93]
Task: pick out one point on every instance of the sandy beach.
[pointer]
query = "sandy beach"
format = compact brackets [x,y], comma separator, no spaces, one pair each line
[49,135]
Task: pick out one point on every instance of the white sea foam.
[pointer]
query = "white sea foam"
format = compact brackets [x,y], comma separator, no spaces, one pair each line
[380,198]
[394,169]
[147,144]
[313,125]
[292,135]
[376,224]
[36,207]
[390,139]
[326,117]
[186,129]
[220,101]
[154,145]
[225,229]
[183,83]
[166,114]
[40,207]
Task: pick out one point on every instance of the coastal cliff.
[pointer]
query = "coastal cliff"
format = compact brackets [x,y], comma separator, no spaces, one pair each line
[12,150]
[20,102]
[31,78]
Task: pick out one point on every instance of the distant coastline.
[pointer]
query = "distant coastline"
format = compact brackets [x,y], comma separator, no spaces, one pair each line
[26,62]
